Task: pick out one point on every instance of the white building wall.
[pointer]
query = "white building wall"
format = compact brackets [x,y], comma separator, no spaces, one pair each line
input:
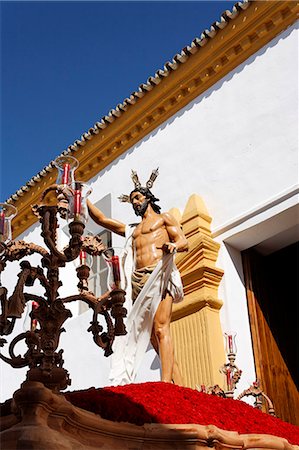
[236,146]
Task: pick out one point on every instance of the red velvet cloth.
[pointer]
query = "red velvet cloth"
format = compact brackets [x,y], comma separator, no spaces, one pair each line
[167,403]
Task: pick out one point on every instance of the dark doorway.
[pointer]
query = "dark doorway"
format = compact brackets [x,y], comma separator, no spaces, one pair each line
[272,293]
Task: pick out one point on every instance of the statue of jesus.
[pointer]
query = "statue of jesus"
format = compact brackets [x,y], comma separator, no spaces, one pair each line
[154,241]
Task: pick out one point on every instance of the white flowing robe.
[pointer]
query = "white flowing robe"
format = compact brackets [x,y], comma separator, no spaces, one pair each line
[129,350]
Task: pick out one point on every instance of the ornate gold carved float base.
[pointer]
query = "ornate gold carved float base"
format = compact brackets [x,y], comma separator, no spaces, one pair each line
[43,420]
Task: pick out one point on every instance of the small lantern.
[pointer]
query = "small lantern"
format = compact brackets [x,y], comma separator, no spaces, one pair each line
[77,196]
[7,213]
[66,166]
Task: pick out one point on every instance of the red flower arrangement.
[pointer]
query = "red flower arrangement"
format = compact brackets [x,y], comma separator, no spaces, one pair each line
[167,403]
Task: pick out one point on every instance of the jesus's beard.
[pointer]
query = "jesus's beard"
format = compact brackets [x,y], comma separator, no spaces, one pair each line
[140,209]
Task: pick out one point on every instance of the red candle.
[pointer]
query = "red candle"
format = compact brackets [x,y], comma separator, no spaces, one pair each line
[66,174]
[77,202]
[230,343]
[116,270]
[82,258]
[2,222]
[33,324]
[229,379]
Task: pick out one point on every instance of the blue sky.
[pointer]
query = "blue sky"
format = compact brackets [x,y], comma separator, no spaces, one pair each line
[64,65]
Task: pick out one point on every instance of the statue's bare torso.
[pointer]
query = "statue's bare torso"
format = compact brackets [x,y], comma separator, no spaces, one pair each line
[149,237]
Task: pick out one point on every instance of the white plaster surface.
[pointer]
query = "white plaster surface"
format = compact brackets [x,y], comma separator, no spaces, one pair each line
[235,146]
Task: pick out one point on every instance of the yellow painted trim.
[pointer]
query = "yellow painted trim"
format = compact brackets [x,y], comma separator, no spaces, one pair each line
[242,37]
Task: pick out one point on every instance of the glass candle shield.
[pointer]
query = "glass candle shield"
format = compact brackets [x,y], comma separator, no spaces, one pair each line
[66,166]
[7,213]
[116,278]
[84,259]
[230,343]
[29,323]
[77,196]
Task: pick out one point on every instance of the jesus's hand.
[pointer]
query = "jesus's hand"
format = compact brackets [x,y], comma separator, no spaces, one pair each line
[169,247]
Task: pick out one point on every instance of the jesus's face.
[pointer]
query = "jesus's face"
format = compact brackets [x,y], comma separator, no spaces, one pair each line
[139,202]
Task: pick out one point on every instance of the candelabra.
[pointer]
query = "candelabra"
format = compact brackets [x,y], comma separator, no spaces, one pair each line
[231,372]
[49,312]
[232,375]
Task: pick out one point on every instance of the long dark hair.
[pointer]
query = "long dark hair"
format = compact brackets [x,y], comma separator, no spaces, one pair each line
[150,196]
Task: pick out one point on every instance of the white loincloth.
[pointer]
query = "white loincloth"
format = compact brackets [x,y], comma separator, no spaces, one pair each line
[129,350]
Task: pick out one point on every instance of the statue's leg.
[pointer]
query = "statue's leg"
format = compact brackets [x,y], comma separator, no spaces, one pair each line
[161,331]
[176,373]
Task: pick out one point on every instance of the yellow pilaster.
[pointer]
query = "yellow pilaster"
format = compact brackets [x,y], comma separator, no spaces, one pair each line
[195,324]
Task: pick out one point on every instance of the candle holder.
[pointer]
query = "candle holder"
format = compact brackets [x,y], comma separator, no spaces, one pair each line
[117,282]
[77,194]
[66,166]
[7,213]
[30,324]
[232,375]
[230,343]
[230,371]
[83,270]
[113,257]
